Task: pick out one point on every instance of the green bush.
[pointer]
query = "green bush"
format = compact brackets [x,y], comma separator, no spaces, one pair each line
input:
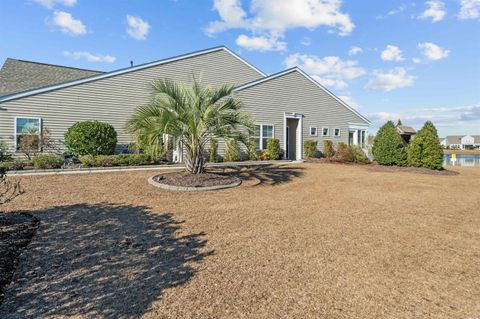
[328,150]
[252,150]
[357,155]
[4,154]
[388,147]
[91,138]
[47,161]
[213,150]
[425,149]
[263,155]
[273,149]
[116,160]
[310,148]
[232,154]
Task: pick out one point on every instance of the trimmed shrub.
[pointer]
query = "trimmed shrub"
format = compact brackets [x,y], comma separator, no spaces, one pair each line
[91,138]
[116,160]
[47,161]
[357,155]
[4,154]
[310,148]
[388,147]
[343,153]
[425,149]
[252,150]
[273,149]
[263,155]
[328,150]
[232,154]
[213,150]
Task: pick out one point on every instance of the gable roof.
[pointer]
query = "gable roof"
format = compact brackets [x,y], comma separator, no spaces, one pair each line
[20,75]
[297,69]
[408,130]
[123,71]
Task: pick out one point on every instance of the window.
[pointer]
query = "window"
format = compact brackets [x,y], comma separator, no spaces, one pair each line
[261,134]
[336,132]
[27,127]
[325,131]
[313,131]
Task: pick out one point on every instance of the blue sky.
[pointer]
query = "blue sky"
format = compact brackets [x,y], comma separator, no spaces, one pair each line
[414,60]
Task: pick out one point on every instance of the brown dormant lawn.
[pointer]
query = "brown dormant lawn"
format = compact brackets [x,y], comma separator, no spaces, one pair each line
[296,241]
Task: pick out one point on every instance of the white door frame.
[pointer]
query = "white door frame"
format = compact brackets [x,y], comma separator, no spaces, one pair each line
[298,135]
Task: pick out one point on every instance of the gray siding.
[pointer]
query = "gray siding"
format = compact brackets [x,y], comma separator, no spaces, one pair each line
[114,99]
[294,93]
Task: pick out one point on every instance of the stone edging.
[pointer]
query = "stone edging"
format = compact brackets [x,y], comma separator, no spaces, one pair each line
[151,181]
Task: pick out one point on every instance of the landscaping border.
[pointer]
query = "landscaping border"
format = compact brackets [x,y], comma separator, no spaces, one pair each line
[153,182]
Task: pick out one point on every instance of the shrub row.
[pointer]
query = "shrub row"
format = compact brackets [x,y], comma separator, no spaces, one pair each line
[116,160]
[47,161]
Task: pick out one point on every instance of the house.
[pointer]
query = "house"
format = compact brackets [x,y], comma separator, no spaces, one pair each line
[406,132]
[461,142]
[289,105]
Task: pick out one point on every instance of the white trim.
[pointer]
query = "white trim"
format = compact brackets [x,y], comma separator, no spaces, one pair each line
[298,134]
[356,126]
[339,132]
[310,131]
[122,71]
[328,134]
[15,130]
[276,75]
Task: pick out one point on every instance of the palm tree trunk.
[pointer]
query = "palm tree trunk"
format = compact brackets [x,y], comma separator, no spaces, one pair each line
[194,162]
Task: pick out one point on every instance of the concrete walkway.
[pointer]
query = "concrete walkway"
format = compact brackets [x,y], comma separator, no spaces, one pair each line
[88,170]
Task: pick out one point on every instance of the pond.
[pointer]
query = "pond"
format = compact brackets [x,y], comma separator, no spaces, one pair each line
[461,160]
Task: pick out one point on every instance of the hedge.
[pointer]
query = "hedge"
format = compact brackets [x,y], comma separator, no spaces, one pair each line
[116,160]
[91,138]
[310,148]
[273,148]
[47,161]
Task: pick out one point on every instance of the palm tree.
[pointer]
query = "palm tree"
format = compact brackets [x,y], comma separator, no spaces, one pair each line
[192,116]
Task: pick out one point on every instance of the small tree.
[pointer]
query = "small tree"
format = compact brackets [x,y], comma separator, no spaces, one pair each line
[8,189]
[213,150]
[273,148]
[328,150]
[310,148]
[91,138]
[232,153]
[388,147]
[425,149]
[4,154]
[31,143]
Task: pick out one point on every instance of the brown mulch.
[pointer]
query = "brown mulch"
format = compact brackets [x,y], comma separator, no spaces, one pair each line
[16,231]
[194,180]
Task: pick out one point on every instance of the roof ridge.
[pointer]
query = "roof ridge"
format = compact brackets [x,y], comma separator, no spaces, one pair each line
[54,65]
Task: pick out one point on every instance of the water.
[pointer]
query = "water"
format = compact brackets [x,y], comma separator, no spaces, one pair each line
[461,160]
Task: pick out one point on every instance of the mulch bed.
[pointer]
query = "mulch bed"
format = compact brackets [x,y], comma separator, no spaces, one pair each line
[16,231]
[186,179]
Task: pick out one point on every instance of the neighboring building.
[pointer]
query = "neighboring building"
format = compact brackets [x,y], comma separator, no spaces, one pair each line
[461,141]
[288,105]
[407,133]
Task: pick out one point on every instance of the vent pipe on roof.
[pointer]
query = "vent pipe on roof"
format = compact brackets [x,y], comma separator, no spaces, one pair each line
[131,63]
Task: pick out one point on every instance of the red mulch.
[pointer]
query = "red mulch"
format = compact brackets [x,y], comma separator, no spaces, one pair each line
[194,180]
[16,231]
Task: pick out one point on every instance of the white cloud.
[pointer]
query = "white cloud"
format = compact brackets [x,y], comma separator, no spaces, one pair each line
[435,11]
[90,57]
[355,51]
[329,71]
[456,120]
[469,9]
[306,41]
[416,60]
[392,53]
[68,24]
[260,43]
[51,3]
[271,18]
[390,80]
[432,51]
[137,28]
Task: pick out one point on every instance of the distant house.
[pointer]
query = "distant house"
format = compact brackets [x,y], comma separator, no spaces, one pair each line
[407,132]
[461,141]
[289,105]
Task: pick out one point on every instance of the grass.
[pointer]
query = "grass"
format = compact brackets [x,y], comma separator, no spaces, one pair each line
[298,241]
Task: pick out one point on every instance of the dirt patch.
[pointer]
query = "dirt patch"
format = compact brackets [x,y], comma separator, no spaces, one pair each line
[185,179]
[419,170]
[16,231]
